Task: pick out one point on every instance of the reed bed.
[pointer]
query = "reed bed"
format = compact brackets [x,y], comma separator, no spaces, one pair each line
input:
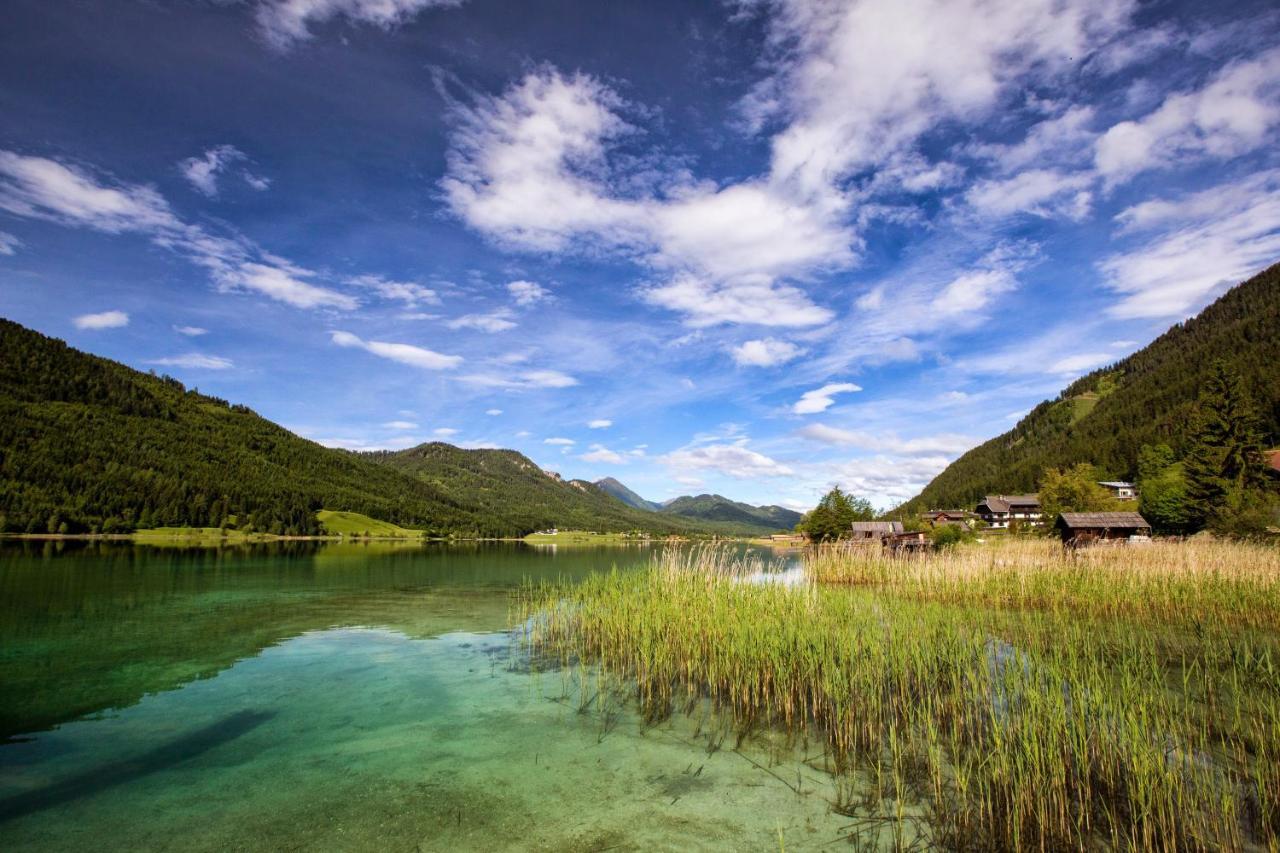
[1010,728]
[1208,581]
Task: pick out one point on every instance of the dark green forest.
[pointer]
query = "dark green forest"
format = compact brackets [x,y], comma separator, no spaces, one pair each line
[766,519]
[88,445]
[1150,399]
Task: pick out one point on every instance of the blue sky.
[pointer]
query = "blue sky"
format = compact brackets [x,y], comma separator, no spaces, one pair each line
[755,248]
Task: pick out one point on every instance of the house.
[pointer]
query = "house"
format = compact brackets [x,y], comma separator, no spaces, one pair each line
[1002,511]
[906,542]
[944,517]
[874,530]
[1082,528]
[1120,490]
[1273,460]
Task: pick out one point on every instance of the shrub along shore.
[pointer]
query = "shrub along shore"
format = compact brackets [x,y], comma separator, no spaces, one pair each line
[1015,696]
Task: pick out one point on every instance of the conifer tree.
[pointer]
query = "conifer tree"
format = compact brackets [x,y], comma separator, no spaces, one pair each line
[1225,457]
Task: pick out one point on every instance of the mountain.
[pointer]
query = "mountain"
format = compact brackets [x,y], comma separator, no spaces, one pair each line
[505,484]
[91,445]
[1106,417]
[628,497]
[709,508]
[765,519]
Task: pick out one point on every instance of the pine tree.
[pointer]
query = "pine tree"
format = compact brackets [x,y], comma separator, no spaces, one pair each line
[1225,457]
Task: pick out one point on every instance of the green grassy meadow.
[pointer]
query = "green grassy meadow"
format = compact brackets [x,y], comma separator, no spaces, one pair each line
[336,523]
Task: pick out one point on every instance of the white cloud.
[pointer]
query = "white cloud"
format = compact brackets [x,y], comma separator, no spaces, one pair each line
[493,412]
[9,244]
[494,321]
[548,379]
[527,379]
[445,432]
[600,453]
[821,399]
[765,352]
[691,482]
[403,353]
[39,188]
[559,442]
[1216,238]
[733,460]
[527,293]
[284,284]
[400,425]
[1082,363]
[599,423]
[894,479]
[191,331]
[284,22]
[861,81]
[530,169]
[408,292]
[945,443]
[202,172]
[1042,192]
[103,320]
[195,360]
[1230,115]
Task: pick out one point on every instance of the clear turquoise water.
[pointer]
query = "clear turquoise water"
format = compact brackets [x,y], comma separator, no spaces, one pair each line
[309,696]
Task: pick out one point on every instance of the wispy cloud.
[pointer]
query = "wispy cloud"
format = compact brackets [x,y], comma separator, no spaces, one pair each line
[102,320]
[40,188]
[821,399]
[285,22]
[945,443]
[9,244]
[196,361]
[413,356]
[494,321]
[733,460]
[599,423]
[526,293]
[1211,240]
[764,352]
[191,331]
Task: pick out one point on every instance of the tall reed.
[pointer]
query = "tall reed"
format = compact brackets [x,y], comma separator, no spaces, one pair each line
[1013,728]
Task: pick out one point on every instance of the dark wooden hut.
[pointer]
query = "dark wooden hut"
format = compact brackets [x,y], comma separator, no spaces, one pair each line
[1082,528]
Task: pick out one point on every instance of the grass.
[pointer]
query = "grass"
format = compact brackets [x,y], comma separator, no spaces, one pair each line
[1018,699]
[354,524]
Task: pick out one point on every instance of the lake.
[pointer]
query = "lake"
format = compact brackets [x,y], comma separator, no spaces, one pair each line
[348,696]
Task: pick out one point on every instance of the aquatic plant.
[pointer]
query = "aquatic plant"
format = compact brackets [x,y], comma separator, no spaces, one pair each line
[1036,723]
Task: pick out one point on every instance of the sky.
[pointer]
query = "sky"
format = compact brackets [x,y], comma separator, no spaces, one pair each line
[755,248]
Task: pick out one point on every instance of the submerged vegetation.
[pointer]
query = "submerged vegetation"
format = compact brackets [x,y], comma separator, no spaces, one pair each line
[988,698]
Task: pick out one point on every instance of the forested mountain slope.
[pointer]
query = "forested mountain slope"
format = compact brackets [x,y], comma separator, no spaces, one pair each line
[90,445]
[766,519]
[1106,417]
[505,484]
[628,497]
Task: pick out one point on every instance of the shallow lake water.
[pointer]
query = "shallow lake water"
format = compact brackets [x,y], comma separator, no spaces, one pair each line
[319,696]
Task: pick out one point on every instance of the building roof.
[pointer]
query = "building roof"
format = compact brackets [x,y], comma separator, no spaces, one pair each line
[876,527]
[1115,484]
[1003,503]
[1109,520]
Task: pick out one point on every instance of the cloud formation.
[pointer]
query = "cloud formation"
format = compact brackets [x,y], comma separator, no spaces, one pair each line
[103,320]
[821,399]
[283,23]
[196,361]
[413,356]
